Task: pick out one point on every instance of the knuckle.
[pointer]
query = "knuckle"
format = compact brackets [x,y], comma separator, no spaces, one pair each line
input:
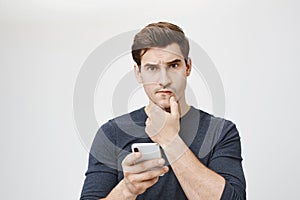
[131,180]
[126,181]
[124,162]
[126,174]
[142,166]
[150,175]
[154,180]
[126,169]
[147,176]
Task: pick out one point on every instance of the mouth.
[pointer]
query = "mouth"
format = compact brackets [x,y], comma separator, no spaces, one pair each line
[164,92]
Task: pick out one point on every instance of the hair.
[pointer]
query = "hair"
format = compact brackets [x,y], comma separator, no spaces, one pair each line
[159,34]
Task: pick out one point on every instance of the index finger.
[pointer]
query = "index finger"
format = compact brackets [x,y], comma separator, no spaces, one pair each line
[174,107]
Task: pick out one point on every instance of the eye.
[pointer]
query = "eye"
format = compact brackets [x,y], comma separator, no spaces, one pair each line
[151,67]
[174,65]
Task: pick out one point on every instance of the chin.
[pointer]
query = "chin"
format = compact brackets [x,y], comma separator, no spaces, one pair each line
[164,105]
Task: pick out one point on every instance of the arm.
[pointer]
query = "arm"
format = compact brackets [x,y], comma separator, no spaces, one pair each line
[102,175]
[219,179]
[197,181]
[222,179]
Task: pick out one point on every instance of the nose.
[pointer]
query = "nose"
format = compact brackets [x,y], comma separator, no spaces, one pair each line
[164,79]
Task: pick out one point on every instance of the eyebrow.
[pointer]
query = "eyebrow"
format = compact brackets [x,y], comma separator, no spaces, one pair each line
[150,65]
[174,61]
[168,63]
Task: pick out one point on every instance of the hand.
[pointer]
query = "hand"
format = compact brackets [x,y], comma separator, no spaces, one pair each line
[139,177]
[162,127]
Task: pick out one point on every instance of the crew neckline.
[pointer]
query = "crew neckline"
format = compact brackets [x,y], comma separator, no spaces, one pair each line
[191,108]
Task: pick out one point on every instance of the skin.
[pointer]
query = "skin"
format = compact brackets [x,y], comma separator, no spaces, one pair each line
[163,74]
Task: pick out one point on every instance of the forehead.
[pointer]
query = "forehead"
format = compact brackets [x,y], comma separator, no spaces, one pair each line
[162,54]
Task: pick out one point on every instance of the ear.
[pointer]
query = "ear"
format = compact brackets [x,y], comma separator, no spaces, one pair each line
[188,67]
[137,73]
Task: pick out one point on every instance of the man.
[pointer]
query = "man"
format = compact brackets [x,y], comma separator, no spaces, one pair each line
[201,153]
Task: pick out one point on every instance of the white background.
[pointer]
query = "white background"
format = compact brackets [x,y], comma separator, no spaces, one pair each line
[254,44]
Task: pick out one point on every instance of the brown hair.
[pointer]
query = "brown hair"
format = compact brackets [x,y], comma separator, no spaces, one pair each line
[159,34]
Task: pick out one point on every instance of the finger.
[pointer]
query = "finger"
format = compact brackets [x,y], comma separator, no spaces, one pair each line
[147,175]
[147,121]
[174,107]
[147,165]
[131,159]
[149,108]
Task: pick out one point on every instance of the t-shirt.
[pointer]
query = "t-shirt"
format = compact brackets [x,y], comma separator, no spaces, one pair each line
[214,141]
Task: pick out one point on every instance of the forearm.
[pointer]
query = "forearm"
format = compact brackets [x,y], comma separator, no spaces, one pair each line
[197,181]
[120,192]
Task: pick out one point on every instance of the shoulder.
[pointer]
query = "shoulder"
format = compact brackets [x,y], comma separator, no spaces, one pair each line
[124,118]
[220,126]
[219,133]
[135,116]
[130,123]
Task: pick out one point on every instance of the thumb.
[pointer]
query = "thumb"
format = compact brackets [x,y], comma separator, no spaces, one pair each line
[130,159]
[174,107]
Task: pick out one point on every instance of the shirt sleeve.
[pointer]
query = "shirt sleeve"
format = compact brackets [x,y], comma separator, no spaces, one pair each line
[226,160]
[102,173]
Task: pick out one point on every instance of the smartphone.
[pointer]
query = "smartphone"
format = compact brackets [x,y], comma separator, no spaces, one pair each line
[148,150]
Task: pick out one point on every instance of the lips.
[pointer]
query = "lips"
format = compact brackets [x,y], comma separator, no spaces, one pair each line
[164,92]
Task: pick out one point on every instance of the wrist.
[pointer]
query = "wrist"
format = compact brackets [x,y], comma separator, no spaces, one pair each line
[175,149]
[126,194]
[165,139]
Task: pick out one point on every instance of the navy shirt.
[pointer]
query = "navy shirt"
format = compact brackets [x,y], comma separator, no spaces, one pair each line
[214,141]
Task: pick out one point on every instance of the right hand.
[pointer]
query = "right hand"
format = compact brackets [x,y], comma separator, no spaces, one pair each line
[139,177]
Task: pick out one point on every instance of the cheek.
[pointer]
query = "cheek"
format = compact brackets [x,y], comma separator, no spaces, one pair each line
[180,85]
[179,80]
[150,79]
[149,88]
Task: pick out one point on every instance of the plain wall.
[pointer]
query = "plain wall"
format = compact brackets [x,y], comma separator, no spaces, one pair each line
[43,44]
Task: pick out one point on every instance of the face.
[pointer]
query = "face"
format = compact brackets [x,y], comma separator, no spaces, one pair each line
[163,74]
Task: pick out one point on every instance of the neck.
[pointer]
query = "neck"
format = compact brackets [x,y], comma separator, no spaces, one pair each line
[183,107]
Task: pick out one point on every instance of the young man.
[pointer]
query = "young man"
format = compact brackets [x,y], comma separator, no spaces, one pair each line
[201,153]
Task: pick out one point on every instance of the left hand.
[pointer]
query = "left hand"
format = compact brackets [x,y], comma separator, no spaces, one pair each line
[162,127]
